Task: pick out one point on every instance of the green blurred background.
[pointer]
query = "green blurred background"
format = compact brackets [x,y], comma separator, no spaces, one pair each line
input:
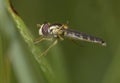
[87,63]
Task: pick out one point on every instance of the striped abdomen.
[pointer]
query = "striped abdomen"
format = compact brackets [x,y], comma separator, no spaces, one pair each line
[83,36]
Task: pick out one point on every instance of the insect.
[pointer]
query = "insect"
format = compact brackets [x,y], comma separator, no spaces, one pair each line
[55,32]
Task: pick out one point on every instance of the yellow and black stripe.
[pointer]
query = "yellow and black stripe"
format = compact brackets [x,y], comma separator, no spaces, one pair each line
[83,36]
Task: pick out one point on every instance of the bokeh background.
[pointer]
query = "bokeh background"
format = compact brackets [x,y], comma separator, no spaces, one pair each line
[71,63]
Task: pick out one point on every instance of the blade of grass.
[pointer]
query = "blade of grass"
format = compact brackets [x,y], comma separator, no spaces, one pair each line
[13,50]
[45,67]
[16,47]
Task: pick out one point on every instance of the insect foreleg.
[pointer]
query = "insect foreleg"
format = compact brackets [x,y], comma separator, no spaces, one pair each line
[40,39]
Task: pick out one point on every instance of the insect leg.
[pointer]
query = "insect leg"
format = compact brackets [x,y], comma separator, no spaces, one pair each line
[61,38]
[53,44]
[40,39]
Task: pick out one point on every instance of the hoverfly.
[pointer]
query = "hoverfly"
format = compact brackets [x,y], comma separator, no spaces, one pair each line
[55,32]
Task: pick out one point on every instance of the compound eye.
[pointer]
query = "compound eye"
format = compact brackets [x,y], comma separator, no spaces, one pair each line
[45,29]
